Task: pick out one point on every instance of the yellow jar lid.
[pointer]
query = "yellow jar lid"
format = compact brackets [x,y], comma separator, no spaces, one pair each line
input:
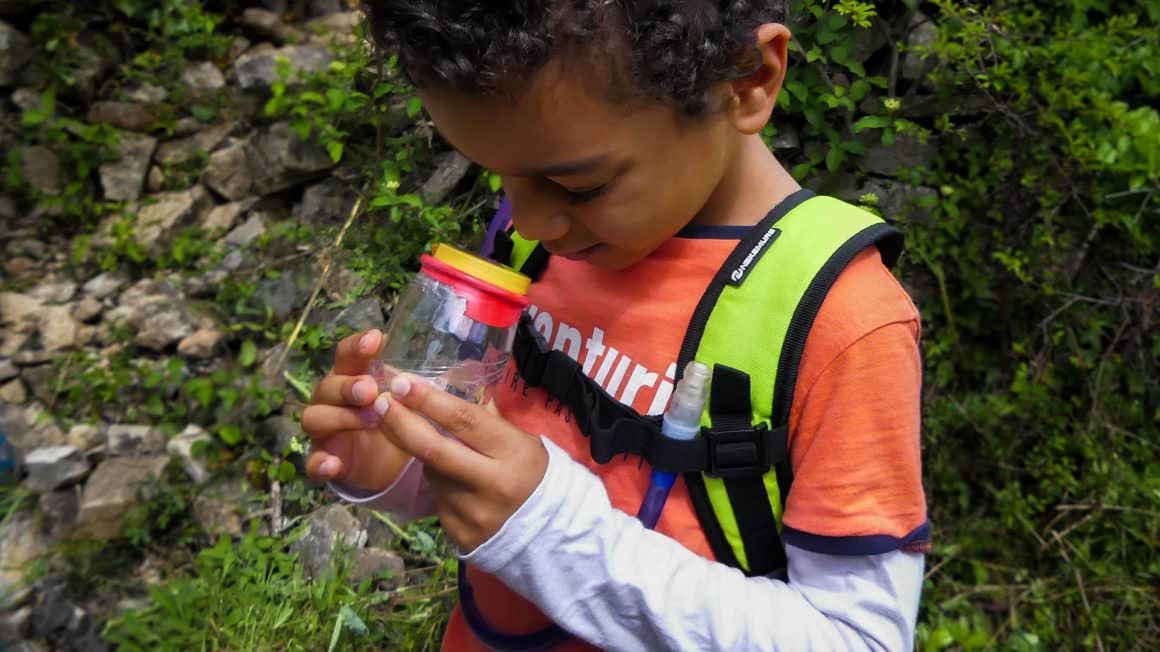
[482,269]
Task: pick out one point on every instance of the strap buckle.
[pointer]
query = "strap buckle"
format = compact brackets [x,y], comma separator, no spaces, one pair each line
[530,351]
[738,452]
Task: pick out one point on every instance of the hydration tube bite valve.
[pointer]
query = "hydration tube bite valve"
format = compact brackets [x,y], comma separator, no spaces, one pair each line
[681,421]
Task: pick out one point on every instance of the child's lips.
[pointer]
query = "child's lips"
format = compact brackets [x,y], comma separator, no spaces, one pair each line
[581,254]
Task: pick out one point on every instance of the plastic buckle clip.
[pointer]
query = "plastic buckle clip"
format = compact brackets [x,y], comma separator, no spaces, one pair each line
[737,453]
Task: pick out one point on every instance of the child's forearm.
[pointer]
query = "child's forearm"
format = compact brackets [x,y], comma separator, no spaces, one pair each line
[599,574]
[409,496]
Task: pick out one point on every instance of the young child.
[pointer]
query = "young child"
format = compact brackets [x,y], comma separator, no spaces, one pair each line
[627,135]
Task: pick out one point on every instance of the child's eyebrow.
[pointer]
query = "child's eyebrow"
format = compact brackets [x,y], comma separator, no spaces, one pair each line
[567,168]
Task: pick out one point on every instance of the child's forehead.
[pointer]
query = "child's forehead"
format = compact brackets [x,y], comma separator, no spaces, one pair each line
[553,119]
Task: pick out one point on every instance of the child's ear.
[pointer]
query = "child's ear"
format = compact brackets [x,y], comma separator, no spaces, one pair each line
[755,95]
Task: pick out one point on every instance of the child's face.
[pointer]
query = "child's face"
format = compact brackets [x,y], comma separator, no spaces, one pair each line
[594,181]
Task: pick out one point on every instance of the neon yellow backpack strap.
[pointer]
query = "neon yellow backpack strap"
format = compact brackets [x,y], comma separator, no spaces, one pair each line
[764,300]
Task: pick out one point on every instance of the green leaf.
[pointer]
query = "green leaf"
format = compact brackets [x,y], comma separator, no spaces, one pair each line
[414,105]
[230,434]
[815,118]
[495,182]
[834,158]
[353,622]
[334,148]
[859,89]
[871,122]
[797,89]
[202,113]
[248,354]
[285,472]
[312,97]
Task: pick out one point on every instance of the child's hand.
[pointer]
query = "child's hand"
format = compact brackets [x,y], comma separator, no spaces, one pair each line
[348,445]
[479,480]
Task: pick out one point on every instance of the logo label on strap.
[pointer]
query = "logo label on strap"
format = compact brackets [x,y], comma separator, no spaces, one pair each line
[737,277]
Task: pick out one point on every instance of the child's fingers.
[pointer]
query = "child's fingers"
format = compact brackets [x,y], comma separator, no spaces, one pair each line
[471,424]
[337,389]
[354,354]
[416,435]
[323,421]
[323,467]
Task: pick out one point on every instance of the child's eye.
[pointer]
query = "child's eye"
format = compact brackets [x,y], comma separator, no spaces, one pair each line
[584,195]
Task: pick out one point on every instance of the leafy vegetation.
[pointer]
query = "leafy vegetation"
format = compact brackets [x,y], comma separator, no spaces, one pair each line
[1031,230]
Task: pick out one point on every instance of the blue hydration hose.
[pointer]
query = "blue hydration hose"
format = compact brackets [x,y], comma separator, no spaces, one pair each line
[681,421]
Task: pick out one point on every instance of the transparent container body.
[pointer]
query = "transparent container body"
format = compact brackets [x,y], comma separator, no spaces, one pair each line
[431,335]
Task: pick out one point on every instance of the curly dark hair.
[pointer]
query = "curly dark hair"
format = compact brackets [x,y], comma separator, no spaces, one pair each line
[672,51]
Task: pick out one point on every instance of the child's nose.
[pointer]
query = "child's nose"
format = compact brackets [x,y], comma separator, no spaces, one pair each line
[537,218]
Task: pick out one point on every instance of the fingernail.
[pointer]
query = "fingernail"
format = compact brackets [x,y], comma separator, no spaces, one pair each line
[361,390]
[369,339]
[400,386]
[329,467]
[381,404]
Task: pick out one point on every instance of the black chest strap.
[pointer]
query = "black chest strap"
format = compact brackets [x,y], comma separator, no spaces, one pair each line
[725,451]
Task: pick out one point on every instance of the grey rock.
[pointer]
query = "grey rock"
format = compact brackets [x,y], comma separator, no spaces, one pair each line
[247,232]
[452,167]
[343,284]
[157,223]
[376,563]
[54,291]
[228,172]
[268,25]
[31,358]
[363,315]
[906,152]
[112,490]
[325,203]
[183,150]
[155,181]
[27,99]
[233,261]
[58,330]
[104,285]
[224,217]
[203,76]
[148,94]
[330,532]
[40,168]
[27,247]
[16,308]
[13,392]
[325,7]
[54,467]
[122,179]
[20,545]
[85,437]
[19,265]
[256,69]
[15,52]
[41,381]
[284,294]
[28,646]
[181,448]
[7,208]
[281,431]
[216,507]
[336,28]
[133,116]
[379,534]
[163,325]
[202,344]
[87,310]
[29,427]
[281,159]
[58,510]
[94,57]
[189,126]
[14,625]
[787,138]
[127,440]
[916,61]
[8,370]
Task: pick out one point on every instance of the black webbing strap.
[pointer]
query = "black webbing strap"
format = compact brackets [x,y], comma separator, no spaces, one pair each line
[731,412]
[537,261]
[616,429]
[502,246]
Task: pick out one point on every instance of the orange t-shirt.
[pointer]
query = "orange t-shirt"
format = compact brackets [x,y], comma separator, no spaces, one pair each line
[854,421]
